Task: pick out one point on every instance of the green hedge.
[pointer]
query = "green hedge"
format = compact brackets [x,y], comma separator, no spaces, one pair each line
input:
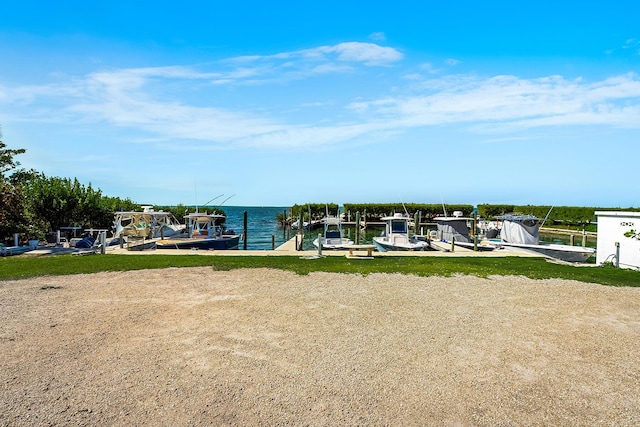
[378,210]
[557,215]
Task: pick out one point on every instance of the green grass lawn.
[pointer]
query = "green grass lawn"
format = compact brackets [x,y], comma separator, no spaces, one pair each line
[534,268]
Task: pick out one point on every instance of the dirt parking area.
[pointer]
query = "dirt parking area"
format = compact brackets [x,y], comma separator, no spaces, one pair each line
[194,346]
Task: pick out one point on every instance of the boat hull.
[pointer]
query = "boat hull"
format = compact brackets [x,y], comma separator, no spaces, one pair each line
[15,250]
[562,252]
[218,243]
[387,245]
[140,244]
[480,246]
[334,244]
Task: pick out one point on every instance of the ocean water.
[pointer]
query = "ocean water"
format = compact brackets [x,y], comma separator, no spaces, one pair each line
[262,224]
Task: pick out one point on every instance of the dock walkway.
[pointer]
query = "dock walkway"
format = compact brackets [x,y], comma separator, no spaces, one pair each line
[289,249]
[291,244]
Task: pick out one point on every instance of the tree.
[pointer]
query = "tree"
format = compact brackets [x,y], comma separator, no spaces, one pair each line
[32,203]
[12,213]
[12,218]
[59,202]
[6,158]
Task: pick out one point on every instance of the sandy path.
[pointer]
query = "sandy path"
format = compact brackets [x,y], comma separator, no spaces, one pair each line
[262,347]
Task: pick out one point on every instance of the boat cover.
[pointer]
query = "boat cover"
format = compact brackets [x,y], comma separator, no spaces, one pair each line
[520,230]
[454,228]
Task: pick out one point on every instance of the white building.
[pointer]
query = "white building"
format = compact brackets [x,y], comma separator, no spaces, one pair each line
[619,238]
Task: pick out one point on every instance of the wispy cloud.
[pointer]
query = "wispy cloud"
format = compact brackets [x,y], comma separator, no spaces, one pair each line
[154,103]
[631,46]
[340,58]
[511,103]
[378,37]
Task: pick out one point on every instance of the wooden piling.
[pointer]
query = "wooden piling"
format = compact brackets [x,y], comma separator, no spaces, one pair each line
[475,232]
[103,242]
[244,226]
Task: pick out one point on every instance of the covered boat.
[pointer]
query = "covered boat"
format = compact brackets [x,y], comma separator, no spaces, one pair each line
[522,232]
[456,229]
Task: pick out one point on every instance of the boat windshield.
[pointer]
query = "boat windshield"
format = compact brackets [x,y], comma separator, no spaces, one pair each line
[333,234]
[398,226]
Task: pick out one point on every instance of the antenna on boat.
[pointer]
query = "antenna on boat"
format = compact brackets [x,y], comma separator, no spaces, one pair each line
[545,218]
[217,197]
[404,207]
[225,200]
[443,207]
[195,191]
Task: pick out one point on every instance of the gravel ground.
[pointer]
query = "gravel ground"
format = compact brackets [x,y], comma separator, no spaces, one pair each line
[194,346]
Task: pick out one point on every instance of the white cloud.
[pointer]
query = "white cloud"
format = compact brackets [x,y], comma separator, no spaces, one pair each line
[514,103]
[378,37]
[368,54]
[153,104]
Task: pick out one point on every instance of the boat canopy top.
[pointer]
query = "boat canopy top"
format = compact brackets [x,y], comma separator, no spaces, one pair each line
[520,229]
[332,220]
[453,227]
[204,216]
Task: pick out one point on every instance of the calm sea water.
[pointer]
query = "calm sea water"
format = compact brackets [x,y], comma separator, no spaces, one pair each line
[261,225]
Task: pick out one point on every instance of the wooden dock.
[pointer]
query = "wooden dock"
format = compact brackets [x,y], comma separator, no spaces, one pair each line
[446,247]
[293,244]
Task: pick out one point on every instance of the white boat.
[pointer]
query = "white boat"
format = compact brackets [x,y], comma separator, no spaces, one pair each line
[521,231]
[296,225]
[149,224]
[202,232]
[456,229]
[333,238]
[396,236]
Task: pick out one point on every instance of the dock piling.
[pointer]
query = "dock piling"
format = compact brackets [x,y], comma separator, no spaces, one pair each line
[244,232]
[103,242]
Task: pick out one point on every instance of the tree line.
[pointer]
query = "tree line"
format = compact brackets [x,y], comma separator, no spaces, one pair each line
[34,203]
[562,216]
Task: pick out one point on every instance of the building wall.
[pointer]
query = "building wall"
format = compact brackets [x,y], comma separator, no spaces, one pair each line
[611,229]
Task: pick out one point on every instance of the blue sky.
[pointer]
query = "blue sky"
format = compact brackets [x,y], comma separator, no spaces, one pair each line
[292,102]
